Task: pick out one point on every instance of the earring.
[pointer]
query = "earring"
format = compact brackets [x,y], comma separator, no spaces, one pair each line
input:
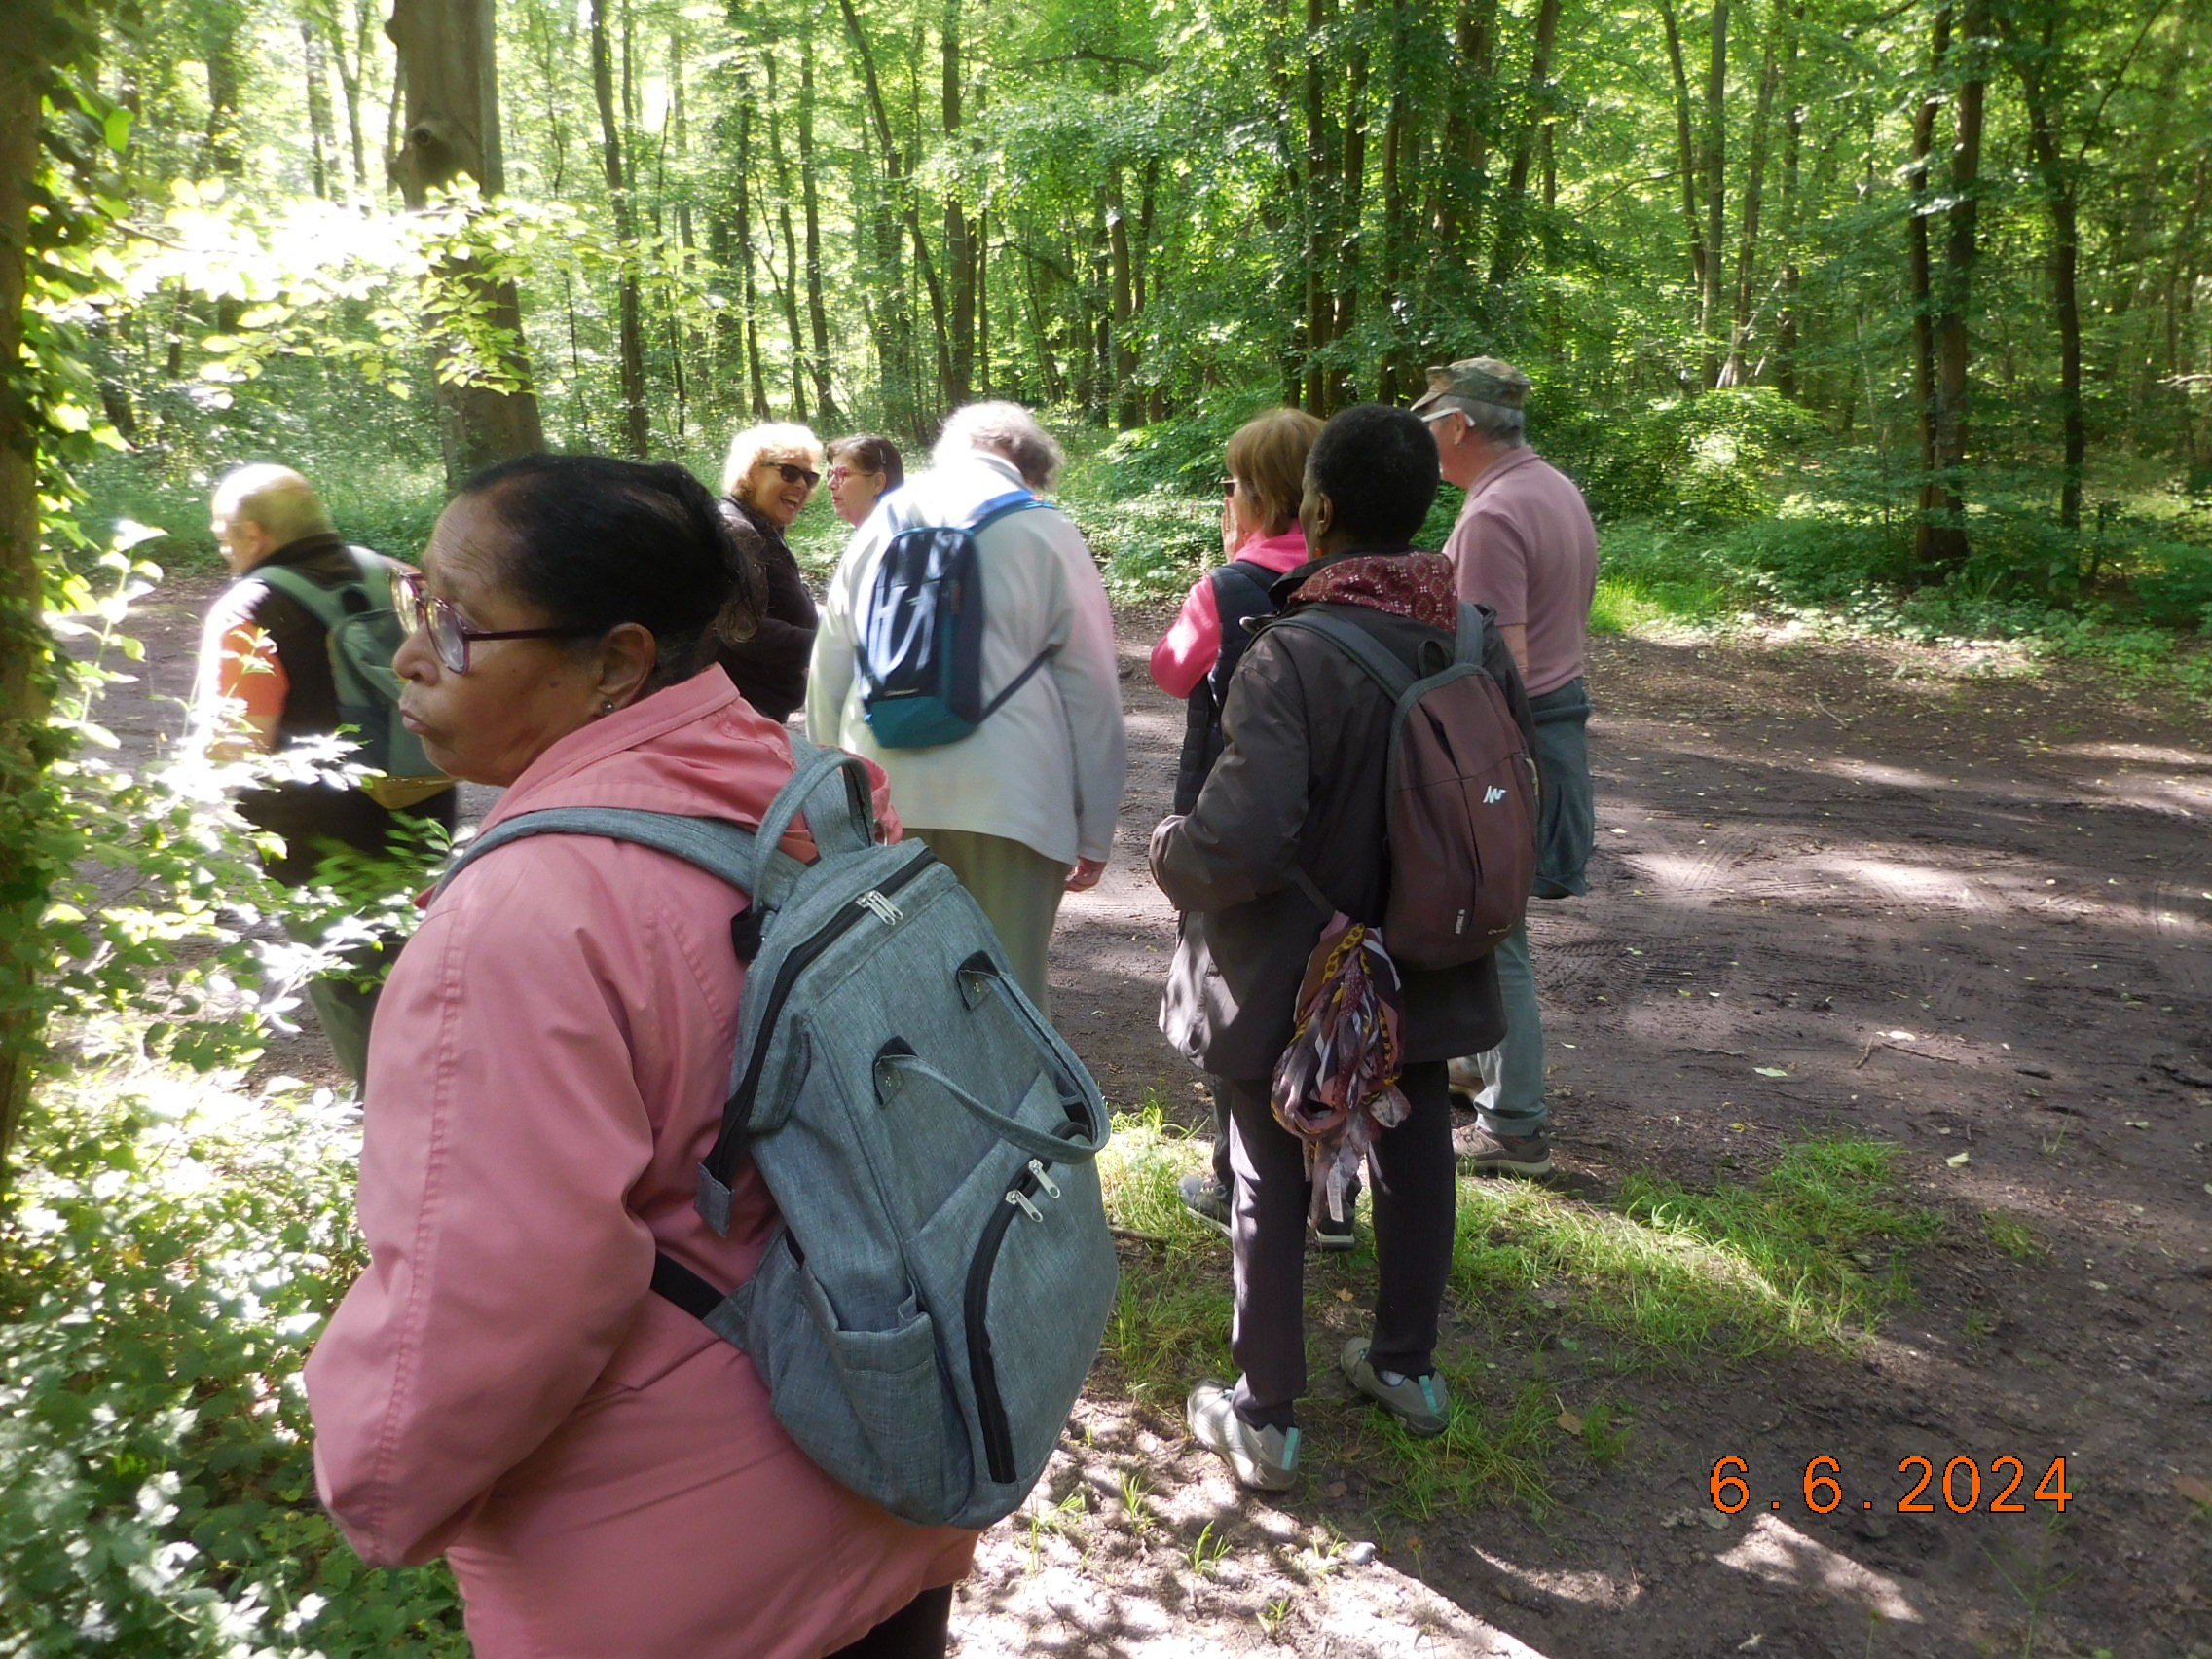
[606,705]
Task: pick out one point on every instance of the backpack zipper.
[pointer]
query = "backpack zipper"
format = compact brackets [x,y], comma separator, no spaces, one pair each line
[738,1111]
[982,1368]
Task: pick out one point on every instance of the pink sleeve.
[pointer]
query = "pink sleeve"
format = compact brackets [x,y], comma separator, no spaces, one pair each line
[1188,649]
[505,1126]
[1492,558]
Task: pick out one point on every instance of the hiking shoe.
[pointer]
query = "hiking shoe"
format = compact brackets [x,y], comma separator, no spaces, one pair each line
[1325,1232]
[1263,1459]
[1203,1198]
[1481,1153]
[1418,1403]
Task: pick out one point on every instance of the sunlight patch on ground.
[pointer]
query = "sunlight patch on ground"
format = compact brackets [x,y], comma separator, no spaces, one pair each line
[1776,1553]
[1593,1589]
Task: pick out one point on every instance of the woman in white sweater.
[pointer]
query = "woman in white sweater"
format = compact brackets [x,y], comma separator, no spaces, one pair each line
[1023,807]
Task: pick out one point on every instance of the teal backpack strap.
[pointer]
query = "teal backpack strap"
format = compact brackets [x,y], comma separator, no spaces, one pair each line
[714,845]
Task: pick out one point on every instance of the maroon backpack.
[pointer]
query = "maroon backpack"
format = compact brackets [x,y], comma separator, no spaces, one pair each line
[1461,795]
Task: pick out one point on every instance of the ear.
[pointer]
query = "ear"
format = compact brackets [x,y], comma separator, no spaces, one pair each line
[627,657]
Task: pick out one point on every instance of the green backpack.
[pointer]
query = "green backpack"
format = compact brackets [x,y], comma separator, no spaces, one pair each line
[363,630]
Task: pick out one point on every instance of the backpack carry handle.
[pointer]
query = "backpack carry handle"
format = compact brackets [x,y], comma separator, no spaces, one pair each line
[891,1062]
[851,829]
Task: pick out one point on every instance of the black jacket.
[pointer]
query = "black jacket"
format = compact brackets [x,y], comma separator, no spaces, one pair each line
[1300,784]
[770,666]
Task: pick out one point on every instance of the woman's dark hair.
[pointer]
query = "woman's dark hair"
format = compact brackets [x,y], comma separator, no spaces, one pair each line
[1378,468]
[597,543]
[873,454]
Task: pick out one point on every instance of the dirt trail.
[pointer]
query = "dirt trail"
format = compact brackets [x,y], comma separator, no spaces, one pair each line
[1969,915]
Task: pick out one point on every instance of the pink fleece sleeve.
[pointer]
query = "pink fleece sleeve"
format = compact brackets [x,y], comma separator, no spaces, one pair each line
[505,1126]
[1188,649]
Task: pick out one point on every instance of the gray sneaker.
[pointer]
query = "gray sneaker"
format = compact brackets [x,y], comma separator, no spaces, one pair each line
[1481,1153]
[1263,1459]
[1202,1197]
[1420,1404]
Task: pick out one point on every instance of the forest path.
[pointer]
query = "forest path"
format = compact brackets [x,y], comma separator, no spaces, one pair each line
[1965,912]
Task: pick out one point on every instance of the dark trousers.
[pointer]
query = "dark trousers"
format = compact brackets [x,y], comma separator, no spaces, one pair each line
[1414,1197]
[920,1630]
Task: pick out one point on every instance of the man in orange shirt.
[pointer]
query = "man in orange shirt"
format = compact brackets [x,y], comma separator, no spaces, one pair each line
[266,681]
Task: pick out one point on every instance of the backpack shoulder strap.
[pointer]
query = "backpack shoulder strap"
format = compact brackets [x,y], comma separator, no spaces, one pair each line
[1253,578]
[714,845]
[1370,653]
[999,506]
[326,605]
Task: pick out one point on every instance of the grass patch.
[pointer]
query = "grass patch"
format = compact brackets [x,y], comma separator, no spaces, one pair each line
[2012,1235]
[1546,1290]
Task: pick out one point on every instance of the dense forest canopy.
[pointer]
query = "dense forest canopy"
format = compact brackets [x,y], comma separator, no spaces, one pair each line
[1957,247]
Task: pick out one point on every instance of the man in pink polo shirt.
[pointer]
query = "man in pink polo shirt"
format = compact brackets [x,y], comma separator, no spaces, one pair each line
[1524,545]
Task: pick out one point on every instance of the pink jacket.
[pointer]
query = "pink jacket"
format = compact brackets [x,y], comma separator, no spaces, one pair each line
[549,1062]
[1188,651]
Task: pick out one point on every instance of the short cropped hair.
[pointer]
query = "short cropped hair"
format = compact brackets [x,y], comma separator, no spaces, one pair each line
[1267,456]
[1377,466]
[1507,428]
[871,454]
[749,445]
[1006,431]
[594,542]
[275,498]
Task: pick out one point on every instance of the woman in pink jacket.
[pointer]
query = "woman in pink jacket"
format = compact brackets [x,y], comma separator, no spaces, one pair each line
[1194,658]
[549,1062]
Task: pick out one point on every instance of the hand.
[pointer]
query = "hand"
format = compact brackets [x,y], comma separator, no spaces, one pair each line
[1085,874]
[1232,535]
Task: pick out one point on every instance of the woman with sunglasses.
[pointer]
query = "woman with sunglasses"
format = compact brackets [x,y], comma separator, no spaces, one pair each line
[549,1061]
[862,470]
[1260,535]
[768,479]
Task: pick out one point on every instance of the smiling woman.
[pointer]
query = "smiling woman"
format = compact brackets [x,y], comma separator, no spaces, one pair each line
[767,480]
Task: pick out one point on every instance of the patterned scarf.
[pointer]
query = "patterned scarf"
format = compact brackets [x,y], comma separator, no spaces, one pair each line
[1419,585]
[1335,1086]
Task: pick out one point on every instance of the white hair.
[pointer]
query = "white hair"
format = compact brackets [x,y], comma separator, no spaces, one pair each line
[1006,431]
[275,498]
[1508,429]
[747,449]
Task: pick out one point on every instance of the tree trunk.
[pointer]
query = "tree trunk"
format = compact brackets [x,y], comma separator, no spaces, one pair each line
[322,140]
[350,71]
[1793,149]
[959,254]
[1685,150]
[1396,378]
[452,127]
[1714,167]
[1754,189]
[897,183]
[631,347]
[1120,289]
[1513,206]
[1919,264]
[749,297]
[817,314]
[1456,205]
[1352,185]
[2034,67]
[788,289]
[26,646]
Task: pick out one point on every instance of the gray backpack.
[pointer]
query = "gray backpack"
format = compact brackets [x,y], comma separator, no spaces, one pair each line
[929,1306]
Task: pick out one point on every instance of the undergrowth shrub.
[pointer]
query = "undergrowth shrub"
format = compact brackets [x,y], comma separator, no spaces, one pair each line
[175,1246]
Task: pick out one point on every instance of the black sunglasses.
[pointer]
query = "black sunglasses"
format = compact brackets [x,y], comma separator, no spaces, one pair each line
[793,474]
[422,611]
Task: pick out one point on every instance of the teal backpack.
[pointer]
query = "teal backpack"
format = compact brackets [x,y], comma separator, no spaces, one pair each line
[364,631]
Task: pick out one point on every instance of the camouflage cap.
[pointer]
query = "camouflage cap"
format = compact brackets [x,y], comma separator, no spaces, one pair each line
[1476,380]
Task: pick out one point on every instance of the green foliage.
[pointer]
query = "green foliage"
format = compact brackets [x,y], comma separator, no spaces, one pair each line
[174,1248]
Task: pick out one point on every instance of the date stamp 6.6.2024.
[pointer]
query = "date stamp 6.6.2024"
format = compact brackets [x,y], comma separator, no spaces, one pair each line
[1921,1487]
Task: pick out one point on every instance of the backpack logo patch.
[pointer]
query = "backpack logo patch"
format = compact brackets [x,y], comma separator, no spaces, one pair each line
[1492,796]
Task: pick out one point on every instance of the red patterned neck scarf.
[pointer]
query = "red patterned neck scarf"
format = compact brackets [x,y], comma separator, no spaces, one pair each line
[1420,585]
[1335,1086]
